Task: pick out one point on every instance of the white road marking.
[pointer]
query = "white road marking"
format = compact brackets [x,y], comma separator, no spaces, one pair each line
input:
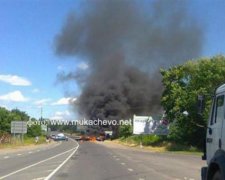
[19,154]
[39,178]
[38,150]
[191,179]
[53,172]
[30,152]
[32,165]
[118,159]
[141,179]
[114,156]
[6,157]
[123,164]
[130,169]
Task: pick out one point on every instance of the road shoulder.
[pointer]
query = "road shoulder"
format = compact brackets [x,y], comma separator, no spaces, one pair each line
[17,149]
[118,145]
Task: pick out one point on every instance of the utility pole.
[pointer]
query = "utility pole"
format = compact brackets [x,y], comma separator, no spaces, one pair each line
[41,112]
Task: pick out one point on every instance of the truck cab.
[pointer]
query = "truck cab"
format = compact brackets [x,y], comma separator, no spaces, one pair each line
[215,139]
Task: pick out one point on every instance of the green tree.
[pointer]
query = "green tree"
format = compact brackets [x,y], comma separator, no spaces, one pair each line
[125,131]
[7,116]
[182,84]
[34,130]
[19,115]
[4,120]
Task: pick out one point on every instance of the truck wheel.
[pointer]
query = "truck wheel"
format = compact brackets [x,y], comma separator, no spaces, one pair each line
[217,176]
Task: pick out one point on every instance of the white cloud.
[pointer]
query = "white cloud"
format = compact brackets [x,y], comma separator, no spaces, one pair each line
[42,102]
[61,115]
[83,66]
[64,101]
[15,96]
[36,90]
[14,80]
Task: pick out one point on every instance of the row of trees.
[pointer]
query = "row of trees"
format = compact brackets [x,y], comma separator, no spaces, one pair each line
[6,116]
[182,85]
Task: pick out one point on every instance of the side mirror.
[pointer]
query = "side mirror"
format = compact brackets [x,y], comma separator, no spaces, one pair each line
[201,104]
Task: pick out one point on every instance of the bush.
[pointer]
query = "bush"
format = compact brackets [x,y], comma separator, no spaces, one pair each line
[34,130]
[125,131]
[147,140]
[150,140]
[181,147]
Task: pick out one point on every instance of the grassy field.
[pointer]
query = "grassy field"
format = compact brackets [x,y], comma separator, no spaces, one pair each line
[16,142]
[158,144]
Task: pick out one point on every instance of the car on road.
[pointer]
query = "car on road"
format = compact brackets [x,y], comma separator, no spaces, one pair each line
[53,136]
[100,138]
[61,137]
[78,138]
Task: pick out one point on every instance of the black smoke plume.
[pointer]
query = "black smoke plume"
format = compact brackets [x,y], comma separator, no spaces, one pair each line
[125,43]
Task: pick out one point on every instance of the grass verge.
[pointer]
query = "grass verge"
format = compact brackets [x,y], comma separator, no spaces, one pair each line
[16,142]
[158,144]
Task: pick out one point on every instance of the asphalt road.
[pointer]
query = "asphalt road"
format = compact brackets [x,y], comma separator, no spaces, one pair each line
[102,161]
[97,161]
[36,164]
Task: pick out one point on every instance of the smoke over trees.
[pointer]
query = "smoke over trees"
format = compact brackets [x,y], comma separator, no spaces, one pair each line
[125,44]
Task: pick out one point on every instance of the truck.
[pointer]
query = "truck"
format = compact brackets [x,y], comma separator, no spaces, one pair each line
[215,137]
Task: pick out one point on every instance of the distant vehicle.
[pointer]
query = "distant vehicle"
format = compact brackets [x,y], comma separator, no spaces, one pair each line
[78,138]
[100,138]
[53,136]
[61,137]
[87,138]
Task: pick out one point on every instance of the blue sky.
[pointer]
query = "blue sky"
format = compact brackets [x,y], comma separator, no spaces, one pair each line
[27,32]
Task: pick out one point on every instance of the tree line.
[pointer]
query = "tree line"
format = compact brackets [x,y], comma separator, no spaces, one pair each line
[6,116]
[182,84]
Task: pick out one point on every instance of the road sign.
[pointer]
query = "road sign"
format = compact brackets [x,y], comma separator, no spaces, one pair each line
[18,127]
[141,124]
[44,128]
[146,125]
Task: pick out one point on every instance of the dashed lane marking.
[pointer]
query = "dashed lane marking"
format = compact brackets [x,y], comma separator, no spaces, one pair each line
[32,165]
[40,178]
[64,162]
